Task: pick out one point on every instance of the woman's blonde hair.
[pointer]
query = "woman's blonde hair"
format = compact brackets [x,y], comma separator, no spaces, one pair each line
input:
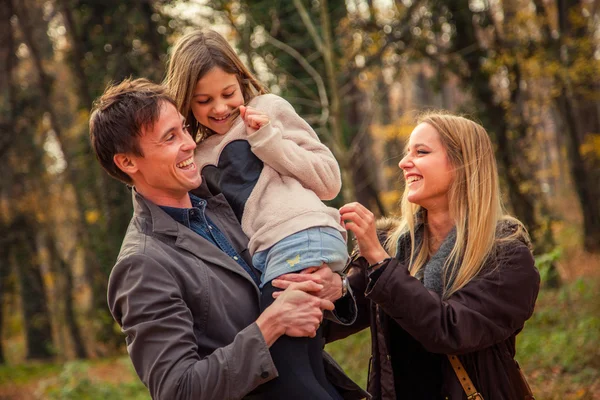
[474,199]
[192,56]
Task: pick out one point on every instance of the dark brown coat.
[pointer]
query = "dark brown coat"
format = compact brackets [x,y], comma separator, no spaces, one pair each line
[479,323]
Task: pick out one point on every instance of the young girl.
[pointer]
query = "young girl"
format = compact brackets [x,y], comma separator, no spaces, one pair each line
[273,170]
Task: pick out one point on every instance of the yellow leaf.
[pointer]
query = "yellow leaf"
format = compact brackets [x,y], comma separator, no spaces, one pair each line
[92,216]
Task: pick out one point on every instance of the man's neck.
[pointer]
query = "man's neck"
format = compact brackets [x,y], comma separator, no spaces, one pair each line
[179,200]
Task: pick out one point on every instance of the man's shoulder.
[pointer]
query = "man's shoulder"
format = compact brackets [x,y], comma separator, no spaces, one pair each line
[139,240]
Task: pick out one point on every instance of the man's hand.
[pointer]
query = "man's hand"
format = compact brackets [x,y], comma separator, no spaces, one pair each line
[295,312]
[330,281]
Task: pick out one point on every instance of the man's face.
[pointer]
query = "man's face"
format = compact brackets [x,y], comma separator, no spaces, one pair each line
[166,172]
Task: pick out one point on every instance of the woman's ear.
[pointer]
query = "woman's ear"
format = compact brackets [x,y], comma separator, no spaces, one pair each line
[125,163]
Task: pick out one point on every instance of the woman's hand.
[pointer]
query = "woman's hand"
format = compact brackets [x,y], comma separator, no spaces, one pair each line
[330,281]
[253,119]
[360,221]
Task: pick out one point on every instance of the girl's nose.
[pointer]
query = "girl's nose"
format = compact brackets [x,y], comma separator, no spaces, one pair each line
[220,108]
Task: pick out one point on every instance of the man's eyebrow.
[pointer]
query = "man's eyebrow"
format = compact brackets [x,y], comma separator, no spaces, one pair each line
[202,94]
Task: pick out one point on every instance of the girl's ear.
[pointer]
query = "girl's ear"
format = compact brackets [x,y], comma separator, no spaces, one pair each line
[125,163]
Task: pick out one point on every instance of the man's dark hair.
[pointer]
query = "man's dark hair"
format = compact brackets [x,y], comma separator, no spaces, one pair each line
[118,118]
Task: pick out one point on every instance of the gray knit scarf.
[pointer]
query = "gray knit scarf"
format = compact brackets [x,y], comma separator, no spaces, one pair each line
[431,274]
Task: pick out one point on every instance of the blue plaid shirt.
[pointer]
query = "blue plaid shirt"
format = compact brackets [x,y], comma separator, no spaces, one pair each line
[196,219]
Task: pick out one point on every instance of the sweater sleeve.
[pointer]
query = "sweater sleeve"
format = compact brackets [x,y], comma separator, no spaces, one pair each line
[292,148]
[489,309]
[147,303]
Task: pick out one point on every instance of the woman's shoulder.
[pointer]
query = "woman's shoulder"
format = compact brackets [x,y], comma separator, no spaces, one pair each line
[510,231]
[513,245]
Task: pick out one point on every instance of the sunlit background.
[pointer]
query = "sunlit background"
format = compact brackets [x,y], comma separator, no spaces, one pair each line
[358,71]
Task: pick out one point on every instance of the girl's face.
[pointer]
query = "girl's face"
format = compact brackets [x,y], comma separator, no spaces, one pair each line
[427,170]
[216,96]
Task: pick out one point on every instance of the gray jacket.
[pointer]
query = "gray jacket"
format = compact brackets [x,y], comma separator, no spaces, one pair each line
[188,310]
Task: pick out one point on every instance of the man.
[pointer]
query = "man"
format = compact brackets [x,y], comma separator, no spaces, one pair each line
[183,288]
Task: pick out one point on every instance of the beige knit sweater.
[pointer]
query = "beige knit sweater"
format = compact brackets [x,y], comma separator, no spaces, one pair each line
[299,171]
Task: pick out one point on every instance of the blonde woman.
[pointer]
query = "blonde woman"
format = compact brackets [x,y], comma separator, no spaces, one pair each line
[455,277]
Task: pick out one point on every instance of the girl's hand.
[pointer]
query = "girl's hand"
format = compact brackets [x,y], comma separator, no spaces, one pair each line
[253,119]
[357,219]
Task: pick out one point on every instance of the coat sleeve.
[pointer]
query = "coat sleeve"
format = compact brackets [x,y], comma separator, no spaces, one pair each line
[489,309]
[146,301]
[292,148]
[357,301]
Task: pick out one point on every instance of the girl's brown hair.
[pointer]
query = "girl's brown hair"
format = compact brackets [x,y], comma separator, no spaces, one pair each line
[193,55]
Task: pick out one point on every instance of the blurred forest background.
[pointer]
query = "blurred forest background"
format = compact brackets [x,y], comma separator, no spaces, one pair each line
[358,71]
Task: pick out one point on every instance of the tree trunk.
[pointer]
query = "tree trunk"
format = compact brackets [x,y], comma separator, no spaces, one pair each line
[36,317]
[5,244]
[94,274]
[587,191]
[478,80]
[361,152]
[67,287]
[335,121]
[84,96]
[585,182]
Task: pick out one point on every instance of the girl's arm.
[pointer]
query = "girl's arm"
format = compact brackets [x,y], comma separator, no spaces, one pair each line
[290,146]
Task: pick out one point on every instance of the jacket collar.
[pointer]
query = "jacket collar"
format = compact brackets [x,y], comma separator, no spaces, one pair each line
[162,223]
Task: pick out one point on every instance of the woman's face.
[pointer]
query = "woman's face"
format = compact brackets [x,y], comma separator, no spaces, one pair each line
[427,170]
[215,98]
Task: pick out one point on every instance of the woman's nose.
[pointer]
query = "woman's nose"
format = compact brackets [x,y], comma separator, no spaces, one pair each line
[405,162]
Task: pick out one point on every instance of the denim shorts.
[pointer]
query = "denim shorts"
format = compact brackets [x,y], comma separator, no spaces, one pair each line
[308,248]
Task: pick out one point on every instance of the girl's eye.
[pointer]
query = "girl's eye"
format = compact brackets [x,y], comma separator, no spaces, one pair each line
[422,152]
[186,127]
[228,95]
[203,101]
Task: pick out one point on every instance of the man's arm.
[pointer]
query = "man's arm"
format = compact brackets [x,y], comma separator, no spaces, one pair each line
[147,302]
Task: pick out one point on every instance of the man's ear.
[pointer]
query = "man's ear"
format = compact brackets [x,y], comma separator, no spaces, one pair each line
[125,163]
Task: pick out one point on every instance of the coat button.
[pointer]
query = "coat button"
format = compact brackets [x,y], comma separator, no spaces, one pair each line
[264,374]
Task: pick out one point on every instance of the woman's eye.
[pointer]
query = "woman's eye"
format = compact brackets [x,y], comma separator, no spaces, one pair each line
[186,127]
[203,101]
[170,138]
[228,95]
[422,152]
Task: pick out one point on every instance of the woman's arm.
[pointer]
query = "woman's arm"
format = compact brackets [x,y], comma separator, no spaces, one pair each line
[489,309]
